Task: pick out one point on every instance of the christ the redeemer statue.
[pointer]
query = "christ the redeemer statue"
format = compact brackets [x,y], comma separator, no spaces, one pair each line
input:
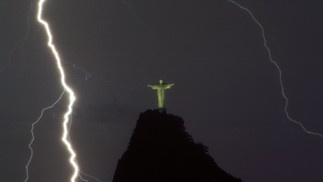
[160,88]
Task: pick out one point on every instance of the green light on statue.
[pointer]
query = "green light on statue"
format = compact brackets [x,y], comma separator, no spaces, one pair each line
[160,88]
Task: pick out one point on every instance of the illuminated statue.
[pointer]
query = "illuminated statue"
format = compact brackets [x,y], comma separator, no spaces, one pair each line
[161,87]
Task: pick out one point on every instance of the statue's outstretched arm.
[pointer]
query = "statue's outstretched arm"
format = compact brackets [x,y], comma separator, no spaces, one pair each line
[169,85]
[153,86]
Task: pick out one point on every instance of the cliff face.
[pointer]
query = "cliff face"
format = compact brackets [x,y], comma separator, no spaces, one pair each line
[160,150]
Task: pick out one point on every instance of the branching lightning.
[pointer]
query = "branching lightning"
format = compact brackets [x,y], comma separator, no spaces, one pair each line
[33,135]
[72,98]
[278,68]
[67,88]
[89,75]
[88,176]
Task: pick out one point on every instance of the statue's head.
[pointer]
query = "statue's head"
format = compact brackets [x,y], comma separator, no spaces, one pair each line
[161,81]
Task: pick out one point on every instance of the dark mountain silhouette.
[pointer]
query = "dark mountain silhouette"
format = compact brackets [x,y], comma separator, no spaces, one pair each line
[160,150]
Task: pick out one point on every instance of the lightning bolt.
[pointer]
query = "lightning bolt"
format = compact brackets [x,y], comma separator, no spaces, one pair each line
[33,135]
[67,89]
[277,67]
[89,176]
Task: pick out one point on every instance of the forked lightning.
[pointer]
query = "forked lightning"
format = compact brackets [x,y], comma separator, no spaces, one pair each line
[33,135]
[72,98]
[67,89]
[278,68]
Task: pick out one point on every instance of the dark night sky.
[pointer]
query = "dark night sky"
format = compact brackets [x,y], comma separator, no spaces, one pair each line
[226,89]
